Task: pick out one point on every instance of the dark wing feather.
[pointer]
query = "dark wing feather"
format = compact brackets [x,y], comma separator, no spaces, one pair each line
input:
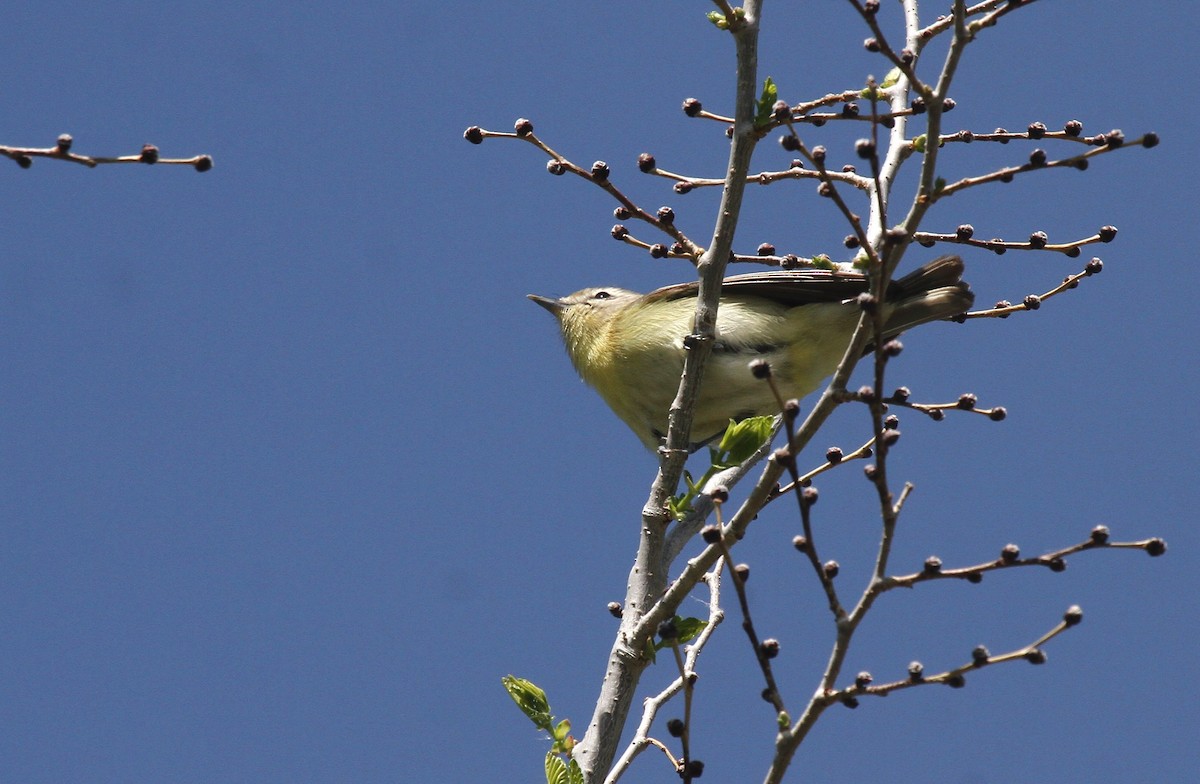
[798,287]
[806,286]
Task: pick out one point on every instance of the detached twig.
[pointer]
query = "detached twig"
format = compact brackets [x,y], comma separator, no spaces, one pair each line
[62,151]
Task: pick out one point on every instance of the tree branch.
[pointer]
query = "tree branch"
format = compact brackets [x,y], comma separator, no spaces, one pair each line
[647,580]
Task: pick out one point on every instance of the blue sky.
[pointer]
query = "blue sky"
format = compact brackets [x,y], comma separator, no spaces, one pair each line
[291,473]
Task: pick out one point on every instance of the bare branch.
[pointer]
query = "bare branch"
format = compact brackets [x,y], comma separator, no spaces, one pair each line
[597,174]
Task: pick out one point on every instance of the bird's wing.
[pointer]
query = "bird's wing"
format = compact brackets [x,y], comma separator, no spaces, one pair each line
[798,287]
[806,286]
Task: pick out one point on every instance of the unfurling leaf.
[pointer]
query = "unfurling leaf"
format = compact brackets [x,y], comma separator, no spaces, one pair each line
[766,102]
[530,699]
[718,19]
[556,769]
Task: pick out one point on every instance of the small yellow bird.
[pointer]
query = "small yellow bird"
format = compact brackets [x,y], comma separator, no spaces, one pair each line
[629,346]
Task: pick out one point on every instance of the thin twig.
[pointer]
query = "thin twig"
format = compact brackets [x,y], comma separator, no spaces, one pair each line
[1038,240]
[762,652]
[956,677]
[1037,162]
[641,737]
[1005,309]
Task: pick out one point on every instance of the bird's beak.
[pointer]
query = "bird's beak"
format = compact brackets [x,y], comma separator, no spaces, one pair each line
[555,306]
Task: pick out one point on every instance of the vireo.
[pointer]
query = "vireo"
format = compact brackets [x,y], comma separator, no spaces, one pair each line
[629,346]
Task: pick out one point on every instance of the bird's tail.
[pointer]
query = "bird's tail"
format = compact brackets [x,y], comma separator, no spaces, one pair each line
[933,292]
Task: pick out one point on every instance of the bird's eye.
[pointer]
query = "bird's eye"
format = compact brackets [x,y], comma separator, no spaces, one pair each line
[601,295]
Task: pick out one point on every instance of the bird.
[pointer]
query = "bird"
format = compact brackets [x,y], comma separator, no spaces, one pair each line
[630,346]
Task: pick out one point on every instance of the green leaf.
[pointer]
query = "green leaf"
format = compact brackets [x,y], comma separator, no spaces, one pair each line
[892,77]
[742,439]
[574,773]
[783,720]
[766,102]
[561,730]
[718,19]
[530,699]
[688,629]
[919,143]
[556,769]
[680,505]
